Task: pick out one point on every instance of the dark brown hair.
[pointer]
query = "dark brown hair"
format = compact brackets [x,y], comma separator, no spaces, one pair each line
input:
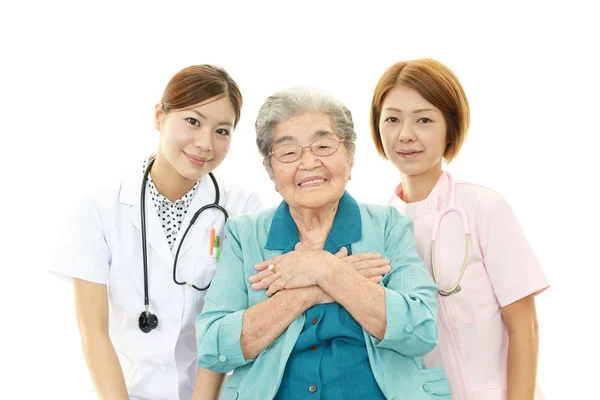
[198,83]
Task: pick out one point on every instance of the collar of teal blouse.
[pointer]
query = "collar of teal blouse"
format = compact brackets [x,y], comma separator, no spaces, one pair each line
[346,229]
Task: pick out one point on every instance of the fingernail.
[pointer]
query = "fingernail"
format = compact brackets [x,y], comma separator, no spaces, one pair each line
[251,279]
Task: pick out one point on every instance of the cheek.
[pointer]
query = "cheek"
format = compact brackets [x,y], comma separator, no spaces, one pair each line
[387,138]
[175,137]
[221,147]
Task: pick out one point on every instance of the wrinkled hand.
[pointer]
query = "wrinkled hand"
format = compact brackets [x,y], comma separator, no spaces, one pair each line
[296,269]
[369,265]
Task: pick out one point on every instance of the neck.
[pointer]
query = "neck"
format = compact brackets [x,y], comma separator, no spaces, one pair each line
[417,187]
[314,224]
[168,181]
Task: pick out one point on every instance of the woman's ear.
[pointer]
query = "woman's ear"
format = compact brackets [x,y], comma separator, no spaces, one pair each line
[158,115]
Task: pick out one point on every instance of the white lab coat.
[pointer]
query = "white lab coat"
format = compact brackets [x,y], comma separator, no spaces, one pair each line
[102,244]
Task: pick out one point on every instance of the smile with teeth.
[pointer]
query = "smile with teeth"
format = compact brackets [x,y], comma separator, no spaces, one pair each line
[312,182]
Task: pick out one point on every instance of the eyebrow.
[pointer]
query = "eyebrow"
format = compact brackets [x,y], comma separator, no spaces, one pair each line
[414,112]
[204,117]
[317,134]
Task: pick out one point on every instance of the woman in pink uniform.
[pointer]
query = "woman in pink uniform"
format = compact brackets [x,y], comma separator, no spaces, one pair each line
[468,236]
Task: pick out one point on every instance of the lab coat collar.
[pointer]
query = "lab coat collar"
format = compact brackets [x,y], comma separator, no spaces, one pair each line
[434,201]
[129,197]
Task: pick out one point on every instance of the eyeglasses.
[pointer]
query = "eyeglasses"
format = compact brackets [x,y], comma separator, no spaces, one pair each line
[321,147]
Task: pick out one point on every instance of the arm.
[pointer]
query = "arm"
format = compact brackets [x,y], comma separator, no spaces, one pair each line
[264,322]
[208,385]
[521,322]
[342,282]
[91,306]
[410,293]
[400,315]
[231,334]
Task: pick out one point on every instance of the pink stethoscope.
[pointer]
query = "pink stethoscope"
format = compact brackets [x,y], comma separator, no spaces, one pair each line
[451,207]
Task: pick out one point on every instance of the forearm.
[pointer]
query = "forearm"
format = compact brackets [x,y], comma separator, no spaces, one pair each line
[362,298]
[522,364]
[208,385]
[103,364]
[265,321]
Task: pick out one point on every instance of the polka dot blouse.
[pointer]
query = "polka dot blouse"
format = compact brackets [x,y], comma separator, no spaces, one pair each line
[170,214]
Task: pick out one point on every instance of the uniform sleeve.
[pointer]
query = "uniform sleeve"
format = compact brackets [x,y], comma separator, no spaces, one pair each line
[509,260]
[82,251]
[219,326]
[410,293]
[254,204]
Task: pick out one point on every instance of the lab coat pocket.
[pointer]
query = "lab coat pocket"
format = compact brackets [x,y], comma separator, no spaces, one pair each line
[435,384]
[204,272]
[476,299]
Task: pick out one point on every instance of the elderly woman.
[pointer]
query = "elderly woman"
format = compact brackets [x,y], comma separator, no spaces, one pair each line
[317,320]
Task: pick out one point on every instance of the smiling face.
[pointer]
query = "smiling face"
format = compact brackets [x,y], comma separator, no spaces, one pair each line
[312,181]
[413,132]
[194,141]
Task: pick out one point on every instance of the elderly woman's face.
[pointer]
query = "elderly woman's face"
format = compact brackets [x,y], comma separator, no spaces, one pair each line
[312,181]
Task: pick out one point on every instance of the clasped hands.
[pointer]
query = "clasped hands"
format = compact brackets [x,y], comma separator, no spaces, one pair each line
[307,268]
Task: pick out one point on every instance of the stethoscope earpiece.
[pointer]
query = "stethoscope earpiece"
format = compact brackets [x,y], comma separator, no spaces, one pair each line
[148,322]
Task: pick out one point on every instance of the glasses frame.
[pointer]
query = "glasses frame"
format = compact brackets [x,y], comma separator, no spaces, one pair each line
[339,142]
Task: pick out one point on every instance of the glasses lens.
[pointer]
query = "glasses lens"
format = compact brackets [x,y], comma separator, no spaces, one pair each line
[325,146]
[287,152]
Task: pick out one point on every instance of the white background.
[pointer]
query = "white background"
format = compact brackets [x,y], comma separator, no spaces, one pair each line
[79,81]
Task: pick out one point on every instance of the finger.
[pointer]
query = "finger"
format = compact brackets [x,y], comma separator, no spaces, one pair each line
[362,257]
[265,264]
[260,276]
[370,264]
[343,252]
[376,279]
[275,287]
[371,272]
[299,247]
[265,283]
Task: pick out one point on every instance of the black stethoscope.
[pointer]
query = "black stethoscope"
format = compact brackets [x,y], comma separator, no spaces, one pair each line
[149,321]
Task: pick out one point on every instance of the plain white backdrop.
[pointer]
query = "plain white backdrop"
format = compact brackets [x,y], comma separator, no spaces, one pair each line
[79,81]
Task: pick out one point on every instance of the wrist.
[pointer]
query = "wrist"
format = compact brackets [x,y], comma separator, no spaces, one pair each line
[328,270]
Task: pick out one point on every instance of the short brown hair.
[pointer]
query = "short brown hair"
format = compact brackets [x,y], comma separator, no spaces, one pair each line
[198,83]
[439,86]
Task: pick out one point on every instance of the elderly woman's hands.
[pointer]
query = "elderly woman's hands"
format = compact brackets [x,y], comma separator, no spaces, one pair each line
[301,267]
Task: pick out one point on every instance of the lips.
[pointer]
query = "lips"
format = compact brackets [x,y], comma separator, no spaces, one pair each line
[408,152]
[311,181]
[196,160]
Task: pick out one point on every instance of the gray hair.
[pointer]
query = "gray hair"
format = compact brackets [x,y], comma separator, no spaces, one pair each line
[296,101]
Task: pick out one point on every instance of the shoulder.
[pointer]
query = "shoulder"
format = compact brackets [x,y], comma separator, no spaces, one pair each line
[238,198]
[251,224]
[383,218]
[481,200]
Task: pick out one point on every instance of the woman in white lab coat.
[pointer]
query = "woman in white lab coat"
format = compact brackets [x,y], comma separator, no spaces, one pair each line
[137,327]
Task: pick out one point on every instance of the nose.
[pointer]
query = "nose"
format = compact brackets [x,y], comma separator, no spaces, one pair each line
[406,133]
[308,159]
[203,140]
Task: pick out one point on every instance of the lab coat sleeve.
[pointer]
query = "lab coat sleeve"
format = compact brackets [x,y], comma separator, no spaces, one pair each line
[254,204]
[219,326]
[510,261]
[82,251]
[410,293]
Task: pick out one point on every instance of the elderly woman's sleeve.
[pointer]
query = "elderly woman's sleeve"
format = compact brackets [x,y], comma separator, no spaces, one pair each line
[410,293]
[219,326]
